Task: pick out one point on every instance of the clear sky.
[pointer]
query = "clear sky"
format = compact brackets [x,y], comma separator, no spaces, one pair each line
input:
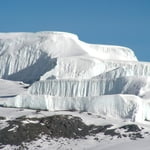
[117,22]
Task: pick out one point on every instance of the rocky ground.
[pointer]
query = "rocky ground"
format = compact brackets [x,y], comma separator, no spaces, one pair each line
[25,130]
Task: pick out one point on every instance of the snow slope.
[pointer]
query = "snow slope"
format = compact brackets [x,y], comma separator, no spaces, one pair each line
[123,145]
[95,142]
[11,88]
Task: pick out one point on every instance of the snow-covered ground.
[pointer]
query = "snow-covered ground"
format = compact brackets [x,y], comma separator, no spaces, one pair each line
[11,88]
[95,142]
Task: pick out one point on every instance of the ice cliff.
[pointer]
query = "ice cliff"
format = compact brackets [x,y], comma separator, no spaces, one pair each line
[22,55]
[66,73]
[88,88]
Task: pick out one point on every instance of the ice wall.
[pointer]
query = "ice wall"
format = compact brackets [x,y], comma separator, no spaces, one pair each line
[22,55]
[86,68]
[124,107]
[131,68]
[75,68]
[75,75]
[91,87]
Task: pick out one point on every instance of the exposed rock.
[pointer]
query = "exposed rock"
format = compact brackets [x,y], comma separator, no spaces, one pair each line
[24,130]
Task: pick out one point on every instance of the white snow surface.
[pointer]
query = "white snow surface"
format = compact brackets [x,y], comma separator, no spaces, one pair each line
[104,142]
[11,88]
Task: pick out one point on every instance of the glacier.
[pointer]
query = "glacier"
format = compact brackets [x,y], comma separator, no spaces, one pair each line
[92,68]
[125,107]
[91,87]
[66,73]
[23,54]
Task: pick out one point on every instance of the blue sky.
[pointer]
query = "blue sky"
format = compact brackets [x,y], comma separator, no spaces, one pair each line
[117,22]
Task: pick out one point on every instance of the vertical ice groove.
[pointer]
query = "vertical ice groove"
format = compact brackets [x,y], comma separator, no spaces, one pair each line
[91,87]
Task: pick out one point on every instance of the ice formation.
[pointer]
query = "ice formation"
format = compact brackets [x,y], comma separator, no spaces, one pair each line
[22,55]
[66,73]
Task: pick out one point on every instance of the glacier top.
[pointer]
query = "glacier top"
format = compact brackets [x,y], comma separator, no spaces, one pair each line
[61,44]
